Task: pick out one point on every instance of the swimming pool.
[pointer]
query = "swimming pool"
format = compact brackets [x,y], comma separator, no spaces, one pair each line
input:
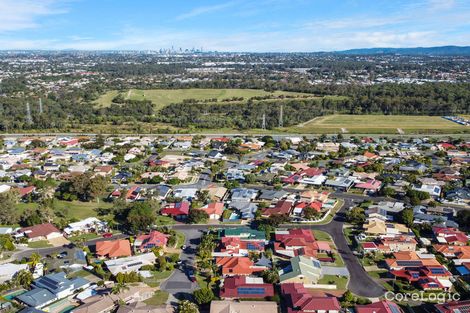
[14,294]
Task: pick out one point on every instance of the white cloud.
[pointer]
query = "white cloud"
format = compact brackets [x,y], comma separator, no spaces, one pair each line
[23,14]
[204,10]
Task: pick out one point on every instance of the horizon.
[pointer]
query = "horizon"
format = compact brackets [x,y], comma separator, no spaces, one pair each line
[267,26]
[186,50]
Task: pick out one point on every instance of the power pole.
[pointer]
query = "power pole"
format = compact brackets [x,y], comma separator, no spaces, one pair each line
[281,117]
[40,105]
[29,119]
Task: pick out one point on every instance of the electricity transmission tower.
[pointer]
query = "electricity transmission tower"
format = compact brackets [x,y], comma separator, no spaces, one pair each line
[281,113]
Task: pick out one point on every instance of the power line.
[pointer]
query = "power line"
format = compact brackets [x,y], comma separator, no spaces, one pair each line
[29,119]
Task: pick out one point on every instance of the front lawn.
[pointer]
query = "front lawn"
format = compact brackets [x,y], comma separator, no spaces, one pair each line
[164,220]
[83,237]
[180,239]
[378,274]
[322,236]
[39,244]
[339,281]
[157,278]
[160,297]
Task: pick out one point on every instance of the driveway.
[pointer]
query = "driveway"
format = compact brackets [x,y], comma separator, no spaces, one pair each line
[334,270]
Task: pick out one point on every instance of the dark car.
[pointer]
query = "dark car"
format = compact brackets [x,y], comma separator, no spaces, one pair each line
[190,274]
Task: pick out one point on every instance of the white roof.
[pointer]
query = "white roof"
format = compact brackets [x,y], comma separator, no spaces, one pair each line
[4,188]
[8,270]
[130,264]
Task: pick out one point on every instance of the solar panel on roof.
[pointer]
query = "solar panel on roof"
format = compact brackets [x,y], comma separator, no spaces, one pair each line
[394,308]
[250,291]
[437,270]
[409,263]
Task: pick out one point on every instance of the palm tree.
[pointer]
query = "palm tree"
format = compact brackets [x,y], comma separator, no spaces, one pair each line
[34,259]
[24,278]
[118,288]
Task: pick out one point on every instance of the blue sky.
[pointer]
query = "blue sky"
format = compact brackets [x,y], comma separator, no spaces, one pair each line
[232,25]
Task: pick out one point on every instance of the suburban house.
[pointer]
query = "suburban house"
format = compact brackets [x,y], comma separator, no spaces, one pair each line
[50,288]
[427,277]
[105,303]
[383,306]
[299,300]
[236,246]
[245,287]
[148,241]
[238,266]
[130,264]
[296,242]
[381,228]
[214,210]
[451,236]
[340,183]
[302,270]
[411,260]
[244,194]
[9,270]
[397,244]
[113,248]
[179,210]
[88,225]
[243,233]
[458,254]
[225,306]
[452,307]
[282,207]
[44,231]
[369,186]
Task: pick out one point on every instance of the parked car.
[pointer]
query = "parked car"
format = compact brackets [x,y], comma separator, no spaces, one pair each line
[190,274]
[107,235]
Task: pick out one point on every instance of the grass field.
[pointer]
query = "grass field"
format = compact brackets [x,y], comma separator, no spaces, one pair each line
[72,209]
[379,124]
[159,298]
[163,97]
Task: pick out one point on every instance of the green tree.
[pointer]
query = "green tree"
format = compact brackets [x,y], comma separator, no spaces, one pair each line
[24,278]
[197,216]
[8,211]
[356,216]
[187,306]
[203,295]
[407,217]
[140,217]
[270,276]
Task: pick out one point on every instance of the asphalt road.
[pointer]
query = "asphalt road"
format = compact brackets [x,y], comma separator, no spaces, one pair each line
[178,284]
[360,283]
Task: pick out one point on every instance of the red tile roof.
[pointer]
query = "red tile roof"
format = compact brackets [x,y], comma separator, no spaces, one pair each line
[113,248]
[40,230]
[299,300]
[176,209]
[379,307]
[232,285]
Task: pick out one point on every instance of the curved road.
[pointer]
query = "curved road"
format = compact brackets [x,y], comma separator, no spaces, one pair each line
[360,283]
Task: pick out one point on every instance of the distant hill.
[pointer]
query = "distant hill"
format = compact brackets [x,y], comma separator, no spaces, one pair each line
[444,50]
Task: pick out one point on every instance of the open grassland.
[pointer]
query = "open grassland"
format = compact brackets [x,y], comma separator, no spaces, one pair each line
[163,97]
[71,209]
[379,124]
